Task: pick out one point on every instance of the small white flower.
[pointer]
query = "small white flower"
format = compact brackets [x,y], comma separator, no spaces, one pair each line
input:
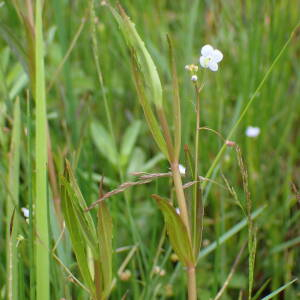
[194,78]
[210,57]
[177,211]
[252,132]
[187,67]
[181,169]
[25,212]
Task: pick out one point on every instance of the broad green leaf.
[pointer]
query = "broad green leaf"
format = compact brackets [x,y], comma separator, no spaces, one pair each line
[279,290]
[177,231]
[145,61]
[105,235]
[104,143]
[128,141]
[77,203]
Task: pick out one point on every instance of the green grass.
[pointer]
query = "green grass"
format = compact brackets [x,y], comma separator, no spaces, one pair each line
[97,123]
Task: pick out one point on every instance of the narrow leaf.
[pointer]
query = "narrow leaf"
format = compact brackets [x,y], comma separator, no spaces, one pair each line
[13,203]
[261,289]
[77,238]
[149,115]
[78,206]
[105,235]
[41,203]
[279,290]
[147,65]
[176,102]
[177,231]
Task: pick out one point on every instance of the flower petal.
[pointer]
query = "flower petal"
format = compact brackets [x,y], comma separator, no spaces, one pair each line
[207,50]
[252,131]
[203,62]
[217,55]
[213,66]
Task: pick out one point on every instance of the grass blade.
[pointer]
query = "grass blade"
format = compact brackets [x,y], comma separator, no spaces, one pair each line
[42,227]
[279,290]
[12,205]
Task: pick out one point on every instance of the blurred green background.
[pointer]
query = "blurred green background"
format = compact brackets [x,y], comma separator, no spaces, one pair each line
[250,33]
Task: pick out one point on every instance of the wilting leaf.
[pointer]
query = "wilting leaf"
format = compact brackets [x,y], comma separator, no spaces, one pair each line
[177,231]
[77,205]
[77,238]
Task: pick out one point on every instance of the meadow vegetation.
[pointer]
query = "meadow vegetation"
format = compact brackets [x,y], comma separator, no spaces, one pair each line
[129,173]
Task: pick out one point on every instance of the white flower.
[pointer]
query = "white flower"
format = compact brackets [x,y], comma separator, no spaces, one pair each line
[252,132]
[194,78]
[177,210]
[210,57]
[25,212]
[181,169]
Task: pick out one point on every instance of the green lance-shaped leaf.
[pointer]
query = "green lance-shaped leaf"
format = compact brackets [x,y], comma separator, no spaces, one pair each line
[105,235]
[177,231]
[78,205]
[149,115]
[145,75]
[128,141]
[77,238]
[148,67]
[104,143]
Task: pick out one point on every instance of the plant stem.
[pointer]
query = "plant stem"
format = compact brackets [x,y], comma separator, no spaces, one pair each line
[192,290]
[180,196]
[194,211]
